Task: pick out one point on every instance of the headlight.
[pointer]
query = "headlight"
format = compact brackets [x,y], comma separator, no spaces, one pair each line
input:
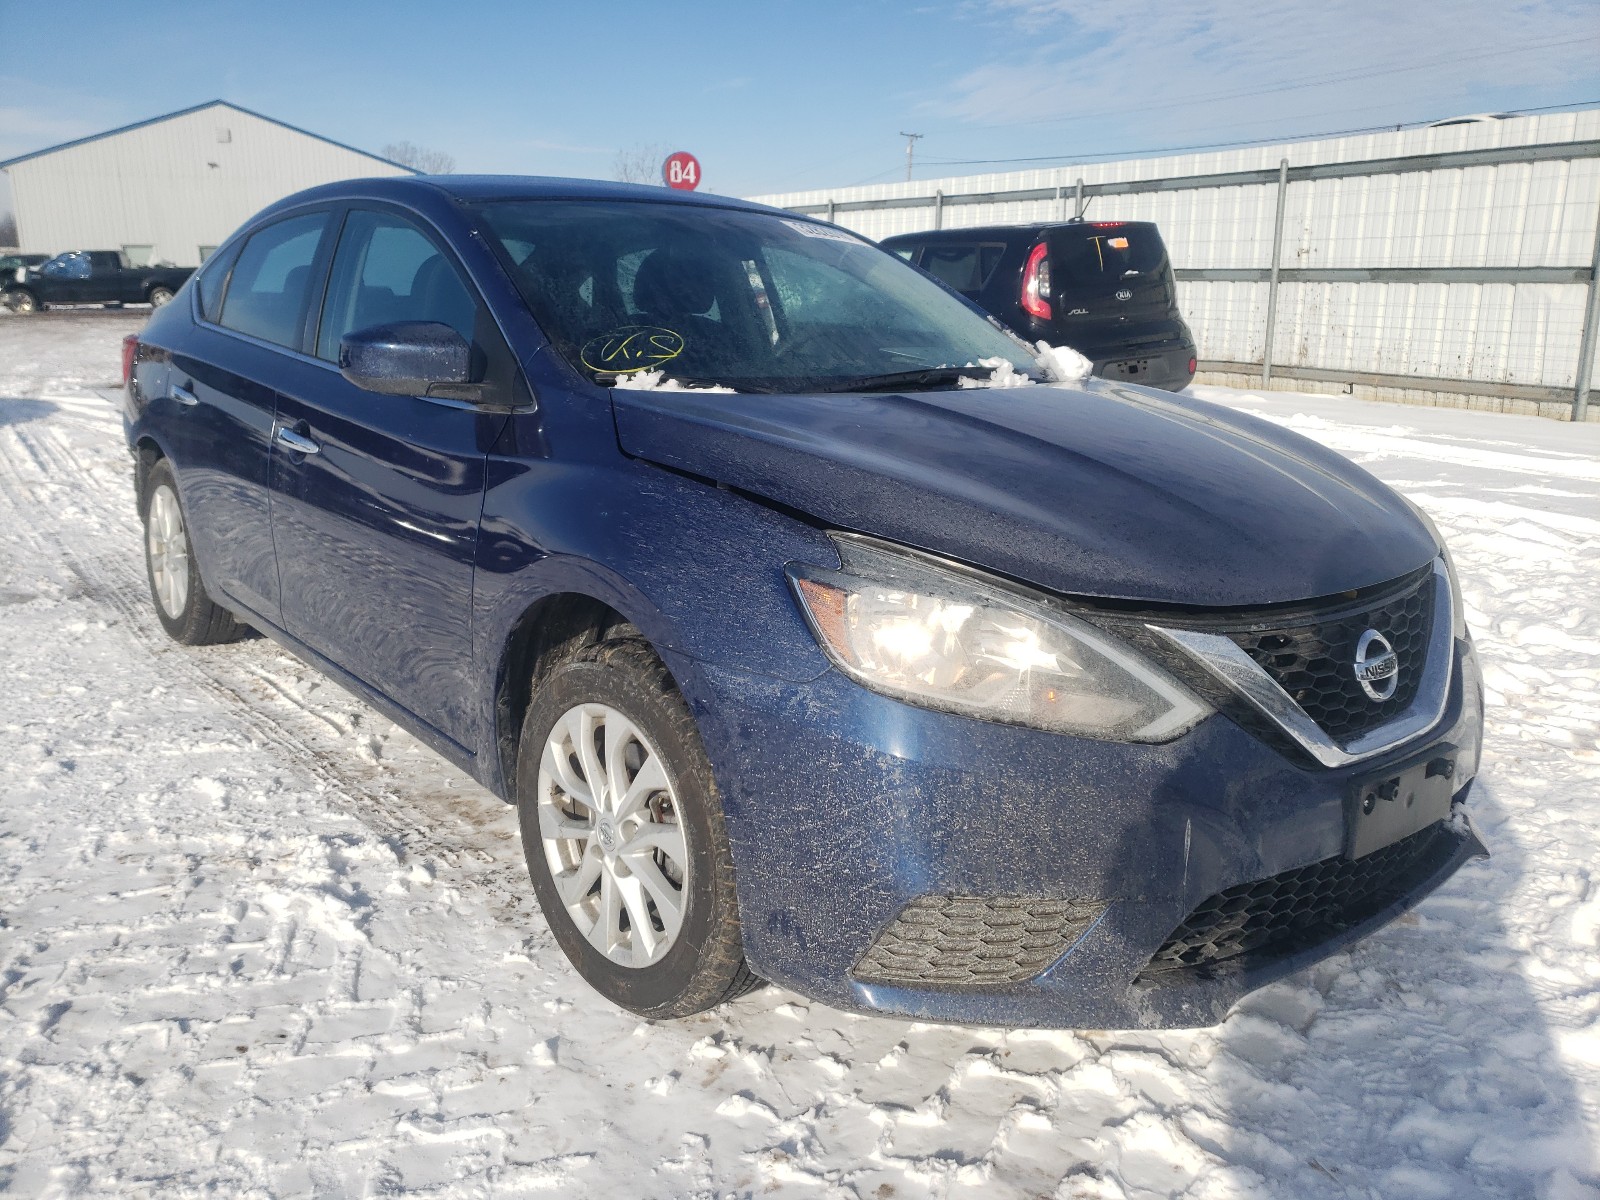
[946,637]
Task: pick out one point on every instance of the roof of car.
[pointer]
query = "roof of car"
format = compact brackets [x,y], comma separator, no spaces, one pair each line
[967,232]
[519,187]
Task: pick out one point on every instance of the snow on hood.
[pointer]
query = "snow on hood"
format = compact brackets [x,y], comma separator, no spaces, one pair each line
[657,381]
[1062,364]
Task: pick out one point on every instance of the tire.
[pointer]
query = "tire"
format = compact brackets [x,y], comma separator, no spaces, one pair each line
[186,612]
[23,302]
[621,693]
[158,295]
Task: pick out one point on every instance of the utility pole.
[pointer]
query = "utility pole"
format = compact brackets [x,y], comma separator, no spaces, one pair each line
[911,141]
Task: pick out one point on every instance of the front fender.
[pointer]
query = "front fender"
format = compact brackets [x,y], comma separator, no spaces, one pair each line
[699,569]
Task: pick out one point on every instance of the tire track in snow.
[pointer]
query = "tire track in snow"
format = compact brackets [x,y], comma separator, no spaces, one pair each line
[256,691]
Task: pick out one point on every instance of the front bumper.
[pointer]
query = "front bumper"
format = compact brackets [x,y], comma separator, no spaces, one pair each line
[844,806]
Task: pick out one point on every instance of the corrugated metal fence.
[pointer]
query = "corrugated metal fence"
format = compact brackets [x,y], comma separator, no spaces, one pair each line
[1458,261]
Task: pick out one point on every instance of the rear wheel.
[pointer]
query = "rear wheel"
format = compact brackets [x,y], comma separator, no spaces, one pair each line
[187,613]
[158,295]
[623,831]
[21,300]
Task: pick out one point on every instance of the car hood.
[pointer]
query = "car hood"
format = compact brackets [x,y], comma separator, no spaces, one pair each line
[1103,491]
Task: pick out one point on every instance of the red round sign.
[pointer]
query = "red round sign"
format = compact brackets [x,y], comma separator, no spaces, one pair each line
[681,171]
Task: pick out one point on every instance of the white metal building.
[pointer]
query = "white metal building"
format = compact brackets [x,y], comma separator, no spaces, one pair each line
[1473,275]
[170,189]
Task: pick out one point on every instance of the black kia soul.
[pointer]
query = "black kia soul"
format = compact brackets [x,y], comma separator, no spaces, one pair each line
[1105,288]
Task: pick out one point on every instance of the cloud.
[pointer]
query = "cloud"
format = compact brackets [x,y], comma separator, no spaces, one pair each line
[1209,61]
[53,115]
[27,129]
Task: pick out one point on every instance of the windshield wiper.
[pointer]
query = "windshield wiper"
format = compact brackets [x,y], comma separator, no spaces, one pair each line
[894,380]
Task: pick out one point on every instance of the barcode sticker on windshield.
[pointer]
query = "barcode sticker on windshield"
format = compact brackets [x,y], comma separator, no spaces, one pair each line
[831,232]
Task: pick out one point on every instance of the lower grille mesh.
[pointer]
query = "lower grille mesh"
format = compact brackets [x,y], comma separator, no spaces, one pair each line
[1297,908]
[975,941]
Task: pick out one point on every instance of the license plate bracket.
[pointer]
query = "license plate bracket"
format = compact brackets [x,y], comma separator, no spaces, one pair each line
[1381,809]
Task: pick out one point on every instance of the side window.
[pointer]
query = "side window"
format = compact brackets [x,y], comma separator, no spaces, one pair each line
[965,267]
[210,281]
[387,270]
[271,282]
[905,252]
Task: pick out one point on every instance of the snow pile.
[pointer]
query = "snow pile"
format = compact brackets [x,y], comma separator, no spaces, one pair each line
[1003,375]
[657,381]
[257,941]
[1062,364]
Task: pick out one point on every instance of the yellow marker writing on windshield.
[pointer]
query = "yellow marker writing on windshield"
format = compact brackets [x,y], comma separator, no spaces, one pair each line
[631,348]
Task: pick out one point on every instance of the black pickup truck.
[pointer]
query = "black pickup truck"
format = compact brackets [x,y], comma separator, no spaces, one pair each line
[91,277]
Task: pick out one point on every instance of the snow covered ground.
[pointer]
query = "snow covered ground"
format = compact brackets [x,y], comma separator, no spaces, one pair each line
[255,941]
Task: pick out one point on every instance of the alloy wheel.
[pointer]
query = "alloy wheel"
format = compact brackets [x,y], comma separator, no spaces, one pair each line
[612,838]
[168,545]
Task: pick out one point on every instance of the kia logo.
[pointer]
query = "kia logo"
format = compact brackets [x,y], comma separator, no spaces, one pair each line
[1124,294]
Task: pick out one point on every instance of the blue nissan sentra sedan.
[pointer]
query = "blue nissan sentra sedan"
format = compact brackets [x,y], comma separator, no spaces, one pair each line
[677,522]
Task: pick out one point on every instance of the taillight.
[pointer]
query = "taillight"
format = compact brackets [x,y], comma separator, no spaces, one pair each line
[130,351]
[1036,283]
[1191,366]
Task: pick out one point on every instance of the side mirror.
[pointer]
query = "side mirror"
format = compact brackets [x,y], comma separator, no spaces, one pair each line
[409,358]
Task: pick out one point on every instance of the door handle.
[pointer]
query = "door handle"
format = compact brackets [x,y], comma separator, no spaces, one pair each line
[184,396]
[295,442]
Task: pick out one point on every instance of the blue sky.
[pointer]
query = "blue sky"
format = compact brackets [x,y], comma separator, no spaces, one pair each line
[778,95]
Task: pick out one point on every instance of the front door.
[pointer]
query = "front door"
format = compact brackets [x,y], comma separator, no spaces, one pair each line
[65,278]
[376,498]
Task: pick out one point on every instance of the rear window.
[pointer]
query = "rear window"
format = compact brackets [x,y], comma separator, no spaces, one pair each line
[1096,259]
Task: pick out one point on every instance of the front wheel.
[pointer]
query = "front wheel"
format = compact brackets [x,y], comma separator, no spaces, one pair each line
[623,831]
[21,300]
[158,295]
[187,613]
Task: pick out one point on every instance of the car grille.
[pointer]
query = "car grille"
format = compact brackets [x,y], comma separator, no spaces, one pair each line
[1314,660]
[975,941]
[1297,908]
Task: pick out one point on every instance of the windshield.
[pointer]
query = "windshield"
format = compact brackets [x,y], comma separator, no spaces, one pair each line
[745,300]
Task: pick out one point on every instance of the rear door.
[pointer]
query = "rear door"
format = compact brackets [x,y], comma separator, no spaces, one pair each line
[218,414]
[376,527]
